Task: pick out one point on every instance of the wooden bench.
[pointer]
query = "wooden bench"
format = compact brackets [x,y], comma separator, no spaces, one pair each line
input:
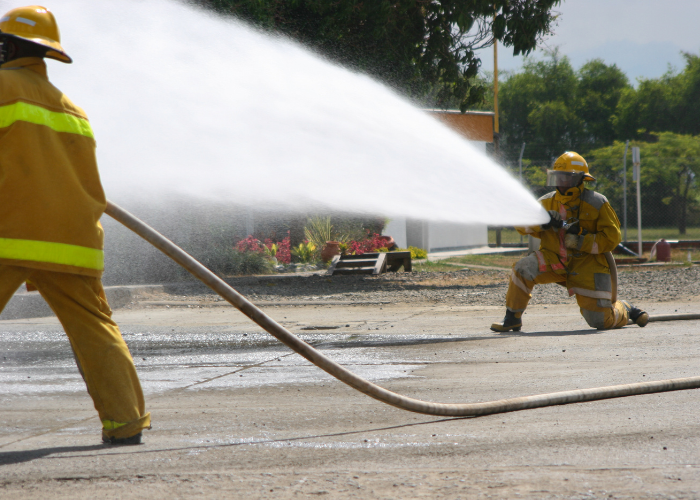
[370,263]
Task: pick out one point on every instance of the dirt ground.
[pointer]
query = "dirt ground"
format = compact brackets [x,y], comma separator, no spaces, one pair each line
[235,415]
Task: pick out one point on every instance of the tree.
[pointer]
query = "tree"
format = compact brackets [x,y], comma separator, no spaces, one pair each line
[670,103]
[536,107]
[422,47]
[649,108]
[553,108]
[688,104]
[599,90]
[669,168]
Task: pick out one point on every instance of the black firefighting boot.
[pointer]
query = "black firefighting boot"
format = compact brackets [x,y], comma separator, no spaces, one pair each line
[639,317]
[136,439]
[512,321]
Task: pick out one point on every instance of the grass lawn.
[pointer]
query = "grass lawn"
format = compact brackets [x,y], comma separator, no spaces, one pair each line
[510,235]
[669,233]
[454,263]
[678,257]
[495,260]
[437,266]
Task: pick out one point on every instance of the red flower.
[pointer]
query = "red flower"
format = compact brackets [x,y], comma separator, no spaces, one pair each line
[284,254]
[372,244]
[250,244]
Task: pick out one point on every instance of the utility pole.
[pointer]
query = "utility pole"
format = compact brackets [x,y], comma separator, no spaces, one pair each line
[636,176]
[624,192]
[496,145]
[495,94]
[520,167]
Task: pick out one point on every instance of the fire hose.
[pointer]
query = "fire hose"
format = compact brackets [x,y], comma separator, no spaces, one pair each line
[331,367]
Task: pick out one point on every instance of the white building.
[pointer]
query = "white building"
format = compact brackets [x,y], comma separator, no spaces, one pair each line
[476,127]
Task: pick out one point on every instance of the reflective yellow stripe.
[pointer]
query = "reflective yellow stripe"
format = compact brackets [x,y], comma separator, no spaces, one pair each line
[110,425]
[55,253]
[60,122]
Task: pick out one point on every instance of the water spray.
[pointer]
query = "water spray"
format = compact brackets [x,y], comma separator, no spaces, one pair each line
[405,403]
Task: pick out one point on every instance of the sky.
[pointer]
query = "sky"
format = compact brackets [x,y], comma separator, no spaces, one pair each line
[641,36]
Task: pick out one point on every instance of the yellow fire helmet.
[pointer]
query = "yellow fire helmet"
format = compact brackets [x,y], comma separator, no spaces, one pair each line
[569,170]
[35,24]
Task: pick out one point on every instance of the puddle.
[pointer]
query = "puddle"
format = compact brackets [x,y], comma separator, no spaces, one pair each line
[41,362]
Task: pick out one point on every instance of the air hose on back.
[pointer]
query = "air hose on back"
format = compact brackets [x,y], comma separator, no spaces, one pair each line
[362,385]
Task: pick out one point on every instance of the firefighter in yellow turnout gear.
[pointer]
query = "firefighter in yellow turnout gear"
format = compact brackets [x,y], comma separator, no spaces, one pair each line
[582,227]
[52,200]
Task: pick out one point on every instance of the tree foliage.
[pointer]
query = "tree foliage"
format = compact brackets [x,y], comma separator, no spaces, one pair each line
[669,103]
[669,167]
[421,47]
[553,108]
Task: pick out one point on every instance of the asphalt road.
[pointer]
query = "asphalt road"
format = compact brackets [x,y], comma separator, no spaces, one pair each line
[236,415]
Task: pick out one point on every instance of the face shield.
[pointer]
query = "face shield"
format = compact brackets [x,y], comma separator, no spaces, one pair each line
[564,179]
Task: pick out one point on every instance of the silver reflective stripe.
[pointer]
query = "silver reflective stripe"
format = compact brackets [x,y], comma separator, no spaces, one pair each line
[6,18]
[602,281]
[595,294]
[616,315]
[26,21]
[516,281]
[595,319]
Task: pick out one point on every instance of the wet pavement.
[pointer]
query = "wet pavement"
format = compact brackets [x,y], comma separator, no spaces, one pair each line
[237,415]
[41,362]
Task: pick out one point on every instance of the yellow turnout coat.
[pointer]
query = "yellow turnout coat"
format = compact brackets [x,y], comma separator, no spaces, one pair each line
[51,198]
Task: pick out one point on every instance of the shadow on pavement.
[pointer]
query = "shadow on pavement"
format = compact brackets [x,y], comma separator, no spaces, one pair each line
[395,343]
[554,333]
[16,457]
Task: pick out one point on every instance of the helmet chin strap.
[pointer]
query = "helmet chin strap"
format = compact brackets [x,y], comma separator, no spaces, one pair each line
[563,191]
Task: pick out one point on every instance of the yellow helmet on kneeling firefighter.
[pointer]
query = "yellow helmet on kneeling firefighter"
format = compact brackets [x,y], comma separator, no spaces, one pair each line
[569,170]
[35,24]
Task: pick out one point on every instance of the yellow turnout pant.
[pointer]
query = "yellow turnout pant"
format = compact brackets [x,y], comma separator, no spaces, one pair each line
[598,313]
[80,304]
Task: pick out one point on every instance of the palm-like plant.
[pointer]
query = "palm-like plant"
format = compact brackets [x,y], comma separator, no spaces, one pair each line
[319,230]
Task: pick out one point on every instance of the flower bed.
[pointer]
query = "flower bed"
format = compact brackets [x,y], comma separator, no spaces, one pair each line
[374,243]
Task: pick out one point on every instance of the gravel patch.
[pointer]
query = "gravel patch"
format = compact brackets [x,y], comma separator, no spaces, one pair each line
[461,287]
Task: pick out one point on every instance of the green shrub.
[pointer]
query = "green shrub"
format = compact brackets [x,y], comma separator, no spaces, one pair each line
[227,261]
[304,252]
[416,253]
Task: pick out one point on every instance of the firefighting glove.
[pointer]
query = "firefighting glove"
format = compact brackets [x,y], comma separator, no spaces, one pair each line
[572,241]
[576,228]
[554,220]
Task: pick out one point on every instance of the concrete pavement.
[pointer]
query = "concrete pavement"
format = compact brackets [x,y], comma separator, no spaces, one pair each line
[237,415]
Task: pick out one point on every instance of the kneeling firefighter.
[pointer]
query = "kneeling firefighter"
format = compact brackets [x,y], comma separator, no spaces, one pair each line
[582,227]
[52,201]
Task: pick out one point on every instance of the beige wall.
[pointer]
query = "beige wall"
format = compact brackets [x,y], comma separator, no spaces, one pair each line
[474,126]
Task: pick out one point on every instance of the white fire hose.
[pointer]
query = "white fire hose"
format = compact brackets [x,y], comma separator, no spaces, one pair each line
[373,390]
